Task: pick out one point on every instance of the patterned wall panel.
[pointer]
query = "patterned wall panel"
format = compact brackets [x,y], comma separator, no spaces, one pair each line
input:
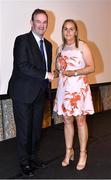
[7,123]
[106,97]
[1,123]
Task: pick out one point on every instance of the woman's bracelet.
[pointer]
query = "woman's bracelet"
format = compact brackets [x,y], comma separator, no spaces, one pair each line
[75,73]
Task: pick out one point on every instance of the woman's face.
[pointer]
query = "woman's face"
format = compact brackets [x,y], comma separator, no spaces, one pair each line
[69,31]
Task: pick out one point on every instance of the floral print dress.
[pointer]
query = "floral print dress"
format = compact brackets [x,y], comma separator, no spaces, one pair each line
[73,96]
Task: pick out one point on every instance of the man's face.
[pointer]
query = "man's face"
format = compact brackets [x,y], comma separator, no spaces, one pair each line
[39,24]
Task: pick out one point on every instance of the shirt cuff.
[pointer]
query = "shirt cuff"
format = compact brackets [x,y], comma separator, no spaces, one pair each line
[46,75]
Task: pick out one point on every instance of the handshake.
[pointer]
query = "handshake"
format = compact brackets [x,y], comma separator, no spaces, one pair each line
[52,75]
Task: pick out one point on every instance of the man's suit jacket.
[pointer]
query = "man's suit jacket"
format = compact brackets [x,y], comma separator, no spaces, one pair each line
[29,69]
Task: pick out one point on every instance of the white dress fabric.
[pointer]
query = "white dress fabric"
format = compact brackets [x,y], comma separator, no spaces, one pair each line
[73,96]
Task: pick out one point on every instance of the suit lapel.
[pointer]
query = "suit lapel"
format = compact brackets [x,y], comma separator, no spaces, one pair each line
[35,49]
[34,43]
[49,54]
[37,54]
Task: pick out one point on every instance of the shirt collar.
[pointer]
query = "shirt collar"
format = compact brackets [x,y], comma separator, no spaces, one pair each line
[37,37]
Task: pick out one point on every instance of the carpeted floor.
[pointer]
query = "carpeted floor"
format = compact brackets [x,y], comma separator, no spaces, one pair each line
[52,150]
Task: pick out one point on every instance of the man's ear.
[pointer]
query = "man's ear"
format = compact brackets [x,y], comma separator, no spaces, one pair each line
[31,22]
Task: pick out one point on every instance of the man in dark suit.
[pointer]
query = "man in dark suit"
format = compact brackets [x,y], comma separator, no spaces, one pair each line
[28,88]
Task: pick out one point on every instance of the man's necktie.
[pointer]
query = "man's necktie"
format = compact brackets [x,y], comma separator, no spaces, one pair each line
[42,49]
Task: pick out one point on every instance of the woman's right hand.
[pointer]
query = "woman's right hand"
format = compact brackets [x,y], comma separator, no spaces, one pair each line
[56,73]
[63,63]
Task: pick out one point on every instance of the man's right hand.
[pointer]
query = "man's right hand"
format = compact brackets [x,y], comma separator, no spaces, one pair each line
[50,76]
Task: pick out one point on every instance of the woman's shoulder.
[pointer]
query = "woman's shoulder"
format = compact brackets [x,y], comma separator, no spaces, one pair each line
[82,44]
[59,49]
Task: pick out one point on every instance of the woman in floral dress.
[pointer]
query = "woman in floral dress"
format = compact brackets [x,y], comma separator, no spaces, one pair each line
[73,98]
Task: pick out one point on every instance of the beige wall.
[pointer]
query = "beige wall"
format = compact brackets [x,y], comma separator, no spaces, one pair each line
[93,18]
[110,32]
[0,49]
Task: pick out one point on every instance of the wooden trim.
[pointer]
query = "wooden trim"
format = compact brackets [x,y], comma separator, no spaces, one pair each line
[6,96]
[100,84]
[96,95]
